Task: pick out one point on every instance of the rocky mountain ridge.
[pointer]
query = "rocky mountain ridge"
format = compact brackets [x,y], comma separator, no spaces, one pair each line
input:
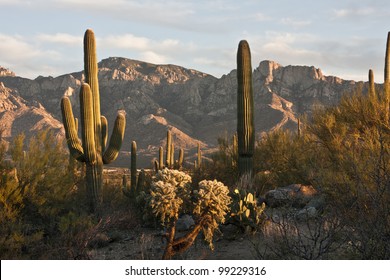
[195,106]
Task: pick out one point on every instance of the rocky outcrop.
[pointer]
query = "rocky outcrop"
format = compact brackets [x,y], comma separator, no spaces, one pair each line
[195,106]
[20,116]
[6,72]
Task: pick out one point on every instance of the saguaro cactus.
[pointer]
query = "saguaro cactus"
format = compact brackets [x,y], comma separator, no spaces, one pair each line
[387,79]
[133,165]
[91,149]
[199,156]
[136,180]
[245,107]
[371,83]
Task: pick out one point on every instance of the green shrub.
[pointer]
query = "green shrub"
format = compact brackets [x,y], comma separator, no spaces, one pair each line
[37,197]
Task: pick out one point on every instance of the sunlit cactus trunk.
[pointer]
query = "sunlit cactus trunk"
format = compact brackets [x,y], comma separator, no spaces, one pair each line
[371,84]
[245,107]
[91,149]
[387,80]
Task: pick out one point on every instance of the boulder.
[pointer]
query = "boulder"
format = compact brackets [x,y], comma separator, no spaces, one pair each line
[295,195]
[306,213]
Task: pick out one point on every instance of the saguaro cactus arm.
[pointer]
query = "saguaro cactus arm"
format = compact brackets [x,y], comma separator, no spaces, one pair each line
[116,139]
[104,132]
[74,144]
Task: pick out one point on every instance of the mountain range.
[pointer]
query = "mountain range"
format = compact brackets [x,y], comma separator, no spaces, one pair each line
[196,107]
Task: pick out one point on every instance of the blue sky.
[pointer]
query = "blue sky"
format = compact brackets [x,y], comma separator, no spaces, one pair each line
[344,38]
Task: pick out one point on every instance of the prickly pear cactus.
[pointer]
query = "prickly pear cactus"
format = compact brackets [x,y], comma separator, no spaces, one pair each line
[246,213]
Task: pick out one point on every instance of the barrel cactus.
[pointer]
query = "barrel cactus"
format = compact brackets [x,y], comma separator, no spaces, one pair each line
[91,149]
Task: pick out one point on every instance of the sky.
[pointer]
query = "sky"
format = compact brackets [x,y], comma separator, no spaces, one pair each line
[343,38]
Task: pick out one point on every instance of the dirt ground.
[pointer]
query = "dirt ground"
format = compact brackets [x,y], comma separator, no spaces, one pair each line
[144,244]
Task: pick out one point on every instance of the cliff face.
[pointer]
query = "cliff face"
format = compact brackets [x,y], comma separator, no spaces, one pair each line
[195,106]
[17,116]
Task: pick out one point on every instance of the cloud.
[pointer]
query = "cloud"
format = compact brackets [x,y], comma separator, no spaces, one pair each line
[354,12]
[125,41]
[153,57]
[61,38]
[27,56]
[16,46]
[169,12]
[14,2]
[261,17]
[151,50]
[295,22]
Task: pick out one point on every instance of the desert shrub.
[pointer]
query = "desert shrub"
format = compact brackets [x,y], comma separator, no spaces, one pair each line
[353,168]
[281,157]
[288,236]
[40,206]
[223,165]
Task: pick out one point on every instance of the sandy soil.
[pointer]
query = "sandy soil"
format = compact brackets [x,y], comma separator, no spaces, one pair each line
[144,243]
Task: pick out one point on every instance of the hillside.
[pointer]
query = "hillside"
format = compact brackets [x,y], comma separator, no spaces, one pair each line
[195,106]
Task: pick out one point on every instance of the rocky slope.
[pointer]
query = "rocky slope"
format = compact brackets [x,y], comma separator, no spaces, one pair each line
[19,116]
[195,106]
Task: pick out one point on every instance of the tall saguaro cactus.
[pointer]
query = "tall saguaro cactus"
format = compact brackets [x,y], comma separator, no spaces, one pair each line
[371,83]
[387,79]
[245,107]
[92,148]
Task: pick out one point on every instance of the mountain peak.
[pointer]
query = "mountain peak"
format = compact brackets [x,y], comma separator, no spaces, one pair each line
[290,74]
[4,72]
[128,69]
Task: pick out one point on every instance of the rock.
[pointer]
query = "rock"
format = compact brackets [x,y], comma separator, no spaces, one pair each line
[307,213]
[318,202]
[4,72]
[267,68]
[184,223]
[18,115]
[295,195]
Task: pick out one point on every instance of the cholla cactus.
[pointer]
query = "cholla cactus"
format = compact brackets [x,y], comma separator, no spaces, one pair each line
[213,200]
[171,194]
[168,191]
